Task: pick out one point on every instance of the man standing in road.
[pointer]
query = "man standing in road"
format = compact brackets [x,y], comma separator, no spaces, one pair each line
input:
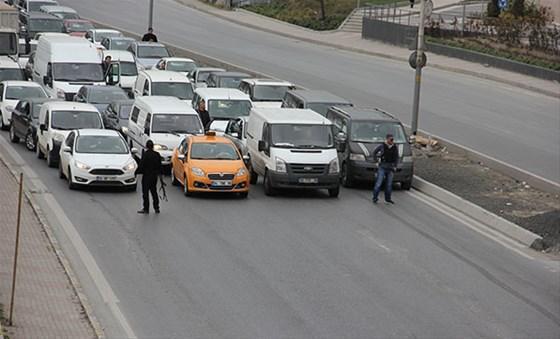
[203,114]
[388,152]
[106,64]
[150,36]
[150,168]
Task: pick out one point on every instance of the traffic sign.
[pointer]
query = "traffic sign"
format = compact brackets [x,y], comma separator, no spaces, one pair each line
[413,57]
[502,4]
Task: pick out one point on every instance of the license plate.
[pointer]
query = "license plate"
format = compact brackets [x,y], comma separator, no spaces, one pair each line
[308,180]
[221,183]
[106,178]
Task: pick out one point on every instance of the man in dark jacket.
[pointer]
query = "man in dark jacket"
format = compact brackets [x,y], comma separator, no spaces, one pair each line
[388,152]
[150,168]
[204,115]
[150,36]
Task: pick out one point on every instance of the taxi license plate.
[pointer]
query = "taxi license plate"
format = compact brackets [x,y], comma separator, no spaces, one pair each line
[221,183]
[106,178]
[308,180]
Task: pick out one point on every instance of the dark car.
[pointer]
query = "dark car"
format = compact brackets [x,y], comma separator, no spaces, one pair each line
[25,121]
[39,22]
[358,133]
[77,27]
[226,79]
[116,115]
[318,101]
[100,96]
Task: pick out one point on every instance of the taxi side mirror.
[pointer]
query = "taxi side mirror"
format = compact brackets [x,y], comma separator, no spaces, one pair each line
[181,157]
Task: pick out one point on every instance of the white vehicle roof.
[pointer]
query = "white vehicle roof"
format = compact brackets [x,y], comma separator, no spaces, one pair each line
[210,69]
[9,83]
[177,59]
[222,94]
[62,9]
[165,76]
[6,62]
[105,30]
[164,104]
[267,82]
[117,55]
[69,106]
[98,132]
[290,116]
[70,49]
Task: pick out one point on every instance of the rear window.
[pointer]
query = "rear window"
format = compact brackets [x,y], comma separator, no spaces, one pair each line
[11,74]
[23,92]
[67,120]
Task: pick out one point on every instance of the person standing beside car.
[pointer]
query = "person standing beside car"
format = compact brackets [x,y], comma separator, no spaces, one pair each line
[388,153]
[150,168]
[204,115]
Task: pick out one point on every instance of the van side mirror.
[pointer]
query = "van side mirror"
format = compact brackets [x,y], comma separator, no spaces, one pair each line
[47,80]
[114,74]
[181,157]
[66,149]
[134,150]
[263,146]
[247,160]
[43,127]
[147,130]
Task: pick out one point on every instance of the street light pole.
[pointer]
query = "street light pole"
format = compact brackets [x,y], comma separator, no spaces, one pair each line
[418,73]
[151,14]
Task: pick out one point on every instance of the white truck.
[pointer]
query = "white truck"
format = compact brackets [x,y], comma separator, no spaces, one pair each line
[9,30]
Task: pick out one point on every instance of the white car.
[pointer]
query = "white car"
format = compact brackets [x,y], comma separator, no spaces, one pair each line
[97,35]
[13,91]
[97,157]
[180,65]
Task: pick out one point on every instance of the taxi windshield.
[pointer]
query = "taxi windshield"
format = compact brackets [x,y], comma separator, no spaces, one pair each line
[213,151]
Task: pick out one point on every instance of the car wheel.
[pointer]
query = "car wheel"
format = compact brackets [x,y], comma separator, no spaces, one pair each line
[186,187]
[13,137]
[71,184]
[30,141]
[345,178]
[40,154]
[3,126]
[243,195]
[254,177]
[268,189]
[174,180]
[406,185]
[333,192]
[50,160]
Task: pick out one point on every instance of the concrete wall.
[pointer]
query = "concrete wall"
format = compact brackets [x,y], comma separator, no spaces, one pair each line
[554,5]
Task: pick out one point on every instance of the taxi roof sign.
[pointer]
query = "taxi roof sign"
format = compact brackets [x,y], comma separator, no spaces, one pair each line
[210,133]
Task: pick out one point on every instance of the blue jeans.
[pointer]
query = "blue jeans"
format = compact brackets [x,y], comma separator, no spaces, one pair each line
[387,174]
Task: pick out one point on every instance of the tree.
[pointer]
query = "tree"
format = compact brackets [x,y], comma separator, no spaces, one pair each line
[493,11]
[518,8]
[323,15]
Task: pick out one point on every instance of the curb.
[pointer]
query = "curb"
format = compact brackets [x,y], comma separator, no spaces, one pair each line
[478,213]
[76,286]
[377,54]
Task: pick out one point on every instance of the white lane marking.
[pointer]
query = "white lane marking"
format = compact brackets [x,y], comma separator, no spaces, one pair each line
[470,223]
[85,255]
[369,236]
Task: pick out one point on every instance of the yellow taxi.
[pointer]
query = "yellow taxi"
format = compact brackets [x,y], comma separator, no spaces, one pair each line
[209,163]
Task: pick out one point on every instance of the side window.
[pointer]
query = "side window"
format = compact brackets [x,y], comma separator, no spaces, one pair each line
[19,107]
[148,121]
[146,90]
[183,147]
[299,103]
[134,114]
[1,92]
[266,132]
[47,118]
[70,139]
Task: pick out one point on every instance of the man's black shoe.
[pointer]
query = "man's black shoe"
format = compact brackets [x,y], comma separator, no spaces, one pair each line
[143,212]
[374,201]
[157,211]
[389,202]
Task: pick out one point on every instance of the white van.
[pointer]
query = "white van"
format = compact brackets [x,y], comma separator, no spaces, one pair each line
[165,83]
[128,71]
[56,120]
[292,148]
[165,121]
[223,104]
[63,64]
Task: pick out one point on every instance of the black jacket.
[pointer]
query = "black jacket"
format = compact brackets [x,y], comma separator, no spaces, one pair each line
[150,165]
[205,118]
[149,37]
[389,155]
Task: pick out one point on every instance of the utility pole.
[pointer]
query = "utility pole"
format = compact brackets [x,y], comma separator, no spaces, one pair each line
[14,270]
[419,65]
[151,14]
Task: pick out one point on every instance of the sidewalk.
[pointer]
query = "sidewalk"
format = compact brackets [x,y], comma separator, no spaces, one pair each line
[354,42]
[46,304]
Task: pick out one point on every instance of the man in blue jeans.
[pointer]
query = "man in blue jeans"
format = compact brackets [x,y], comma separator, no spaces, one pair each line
[388,152]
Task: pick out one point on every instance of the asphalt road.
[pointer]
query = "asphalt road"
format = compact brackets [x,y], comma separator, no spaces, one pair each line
[513,125]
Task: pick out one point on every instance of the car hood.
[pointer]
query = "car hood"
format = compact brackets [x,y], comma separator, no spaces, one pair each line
[218,166]
[267,104]
[128,81]
[104,160]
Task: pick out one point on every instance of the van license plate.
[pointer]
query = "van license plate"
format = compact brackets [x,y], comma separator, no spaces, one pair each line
[221,183]
[308,180]
[106,178]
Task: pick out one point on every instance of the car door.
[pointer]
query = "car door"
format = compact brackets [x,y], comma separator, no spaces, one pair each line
[179,165]
[133,131]
[20,118]
[66,157]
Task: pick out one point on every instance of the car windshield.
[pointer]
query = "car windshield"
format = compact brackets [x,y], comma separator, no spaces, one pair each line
[8,43]
[78,72]
[128,69]
[152,52]
[11,74]
[36,110]
[79,26]
[100,144]
[45,25]
[302,136]
[67,120]
[375,132]
[106,95]
[22,92]
[120,44]
[180,66]
[180,90]
[230,82]
[213,151]
[229,108]
[176,124]
[269,92]
[323,108]
[66,15]
[124,111]
[99,36]
[35,6]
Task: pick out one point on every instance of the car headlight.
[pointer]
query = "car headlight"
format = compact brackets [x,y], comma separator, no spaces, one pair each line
[160,147]
[81,165]
[333,166]
[357,157]
[281,166]
[241,172]
[58,137]
[60,94]
[130,166]
[197,171]
[407,159]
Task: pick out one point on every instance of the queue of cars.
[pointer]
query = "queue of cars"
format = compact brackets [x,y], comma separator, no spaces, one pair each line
[89,116]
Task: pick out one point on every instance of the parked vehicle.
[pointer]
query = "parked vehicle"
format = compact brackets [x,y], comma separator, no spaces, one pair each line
[34,5]
[209,163]
[199,75]
[117,43]
[10,69]
[128,70]
[96,157]
[266,93]
[100,96]
[25,121]
[222,104]
[9,30]
[77,27]
[97,35]
[166,83]
[358,133]
[148,53]
[62,12]
[56,120]
[292,148]
[116,116]
[180,65]
[13,91]
[62,73]
[164,120]
[319,101]
[226,79]
[38,22]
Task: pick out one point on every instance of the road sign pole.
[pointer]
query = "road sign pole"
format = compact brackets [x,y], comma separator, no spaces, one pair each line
[151,14]
[14,271]
[418,73]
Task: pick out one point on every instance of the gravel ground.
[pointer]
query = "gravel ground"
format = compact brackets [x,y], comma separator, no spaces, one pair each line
[515,201]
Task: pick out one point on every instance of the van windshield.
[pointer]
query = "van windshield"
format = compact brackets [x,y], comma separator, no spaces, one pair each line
[128,69]
[176,124]
[22,92]
[376,132]
[181,90]
[101,144]
[269,93]
[323,108]
[78,72]
[120,44]
[180,66]
[152,52]
[67,120]
[302,136]
[11,74]
[230,82]
[228,109]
